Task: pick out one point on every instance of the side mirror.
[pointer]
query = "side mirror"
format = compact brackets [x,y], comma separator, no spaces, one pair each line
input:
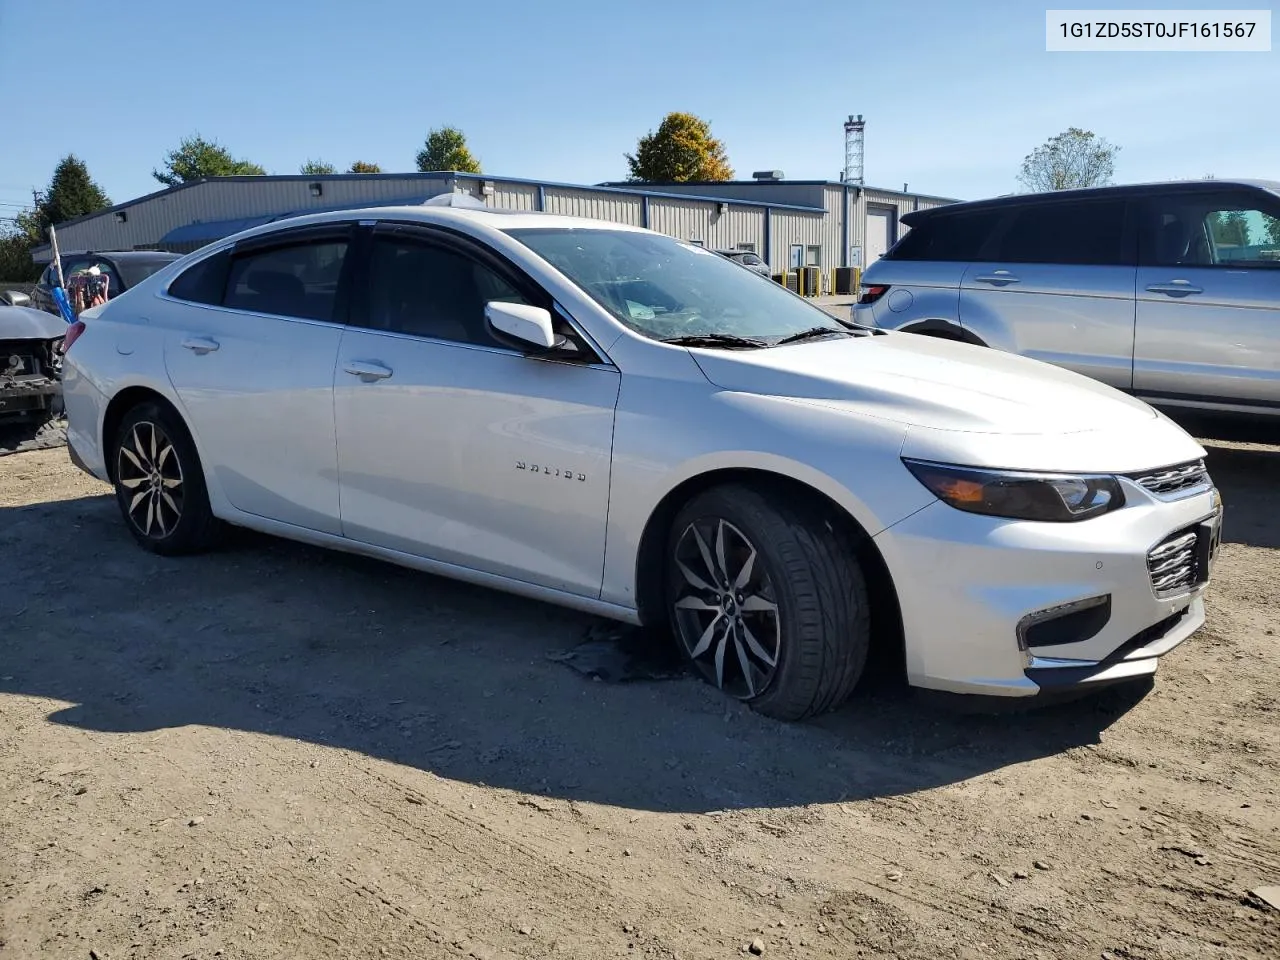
[15,298]
[523,325]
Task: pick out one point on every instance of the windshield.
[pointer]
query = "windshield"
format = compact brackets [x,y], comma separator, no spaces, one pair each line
[664,289]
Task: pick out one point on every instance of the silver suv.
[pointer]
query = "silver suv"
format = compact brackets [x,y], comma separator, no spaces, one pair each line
[1170,291]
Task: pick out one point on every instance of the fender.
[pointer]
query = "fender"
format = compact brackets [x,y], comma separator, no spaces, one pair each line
[945,329]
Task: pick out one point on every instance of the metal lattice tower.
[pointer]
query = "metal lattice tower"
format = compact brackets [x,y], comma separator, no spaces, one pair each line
[854,142]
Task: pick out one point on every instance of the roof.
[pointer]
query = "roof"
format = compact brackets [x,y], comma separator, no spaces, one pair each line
[777,183]
[1124,190]
[494,219]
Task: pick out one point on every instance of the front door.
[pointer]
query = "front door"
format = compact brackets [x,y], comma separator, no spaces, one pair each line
[251,356]
[1055,283]
[1209,299]
[457,448]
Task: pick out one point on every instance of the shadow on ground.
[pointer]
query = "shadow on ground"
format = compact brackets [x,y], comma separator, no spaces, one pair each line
[1244,460]
[18,437]
[284,640]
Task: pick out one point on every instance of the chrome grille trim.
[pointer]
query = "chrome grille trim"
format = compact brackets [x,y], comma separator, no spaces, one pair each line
[1173,482]
[1172,564]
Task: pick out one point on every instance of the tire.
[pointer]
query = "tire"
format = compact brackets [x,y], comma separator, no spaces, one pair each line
[781,556]
[166,509]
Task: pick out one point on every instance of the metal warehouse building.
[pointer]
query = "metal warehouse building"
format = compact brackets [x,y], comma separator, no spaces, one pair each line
[789,223]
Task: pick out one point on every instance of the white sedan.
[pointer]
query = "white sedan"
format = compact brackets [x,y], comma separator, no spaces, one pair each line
[603,417]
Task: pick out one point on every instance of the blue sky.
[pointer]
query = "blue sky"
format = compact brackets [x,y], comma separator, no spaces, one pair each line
[954,94]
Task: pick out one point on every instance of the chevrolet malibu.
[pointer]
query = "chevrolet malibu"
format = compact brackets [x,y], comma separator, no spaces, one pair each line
[603,417]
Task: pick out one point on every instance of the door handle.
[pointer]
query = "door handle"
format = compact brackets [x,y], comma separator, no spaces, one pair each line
[999,279]
[1175,288]
[367,370]
[200,345]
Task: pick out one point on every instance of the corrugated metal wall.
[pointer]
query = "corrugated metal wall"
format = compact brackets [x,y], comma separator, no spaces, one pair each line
[514,196]
[150,219]
[794,194]
[597,204]
[791,227]
[701,220]
[860,199]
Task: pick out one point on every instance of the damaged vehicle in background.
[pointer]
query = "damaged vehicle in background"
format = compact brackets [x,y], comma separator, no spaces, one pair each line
[123,270]
[30,362]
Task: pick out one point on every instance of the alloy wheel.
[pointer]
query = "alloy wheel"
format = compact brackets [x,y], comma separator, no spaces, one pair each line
[725,608]
[148,470]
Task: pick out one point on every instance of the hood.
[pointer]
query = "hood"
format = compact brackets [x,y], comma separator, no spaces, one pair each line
[927,382]
[25,323]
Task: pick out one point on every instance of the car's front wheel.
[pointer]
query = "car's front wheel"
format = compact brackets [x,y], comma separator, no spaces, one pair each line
[768,601]
[159,482]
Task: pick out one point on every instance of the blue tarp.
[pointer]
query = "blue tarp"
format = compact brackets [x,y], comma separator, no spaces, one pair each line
[208,231]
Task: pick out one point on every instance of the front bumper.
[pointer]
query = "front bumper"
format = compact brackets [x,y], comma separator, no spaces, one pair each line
[966,582]
[28,397]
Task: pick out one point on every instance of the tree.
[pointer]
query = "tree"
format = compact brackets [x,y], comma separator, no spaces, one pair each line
[1230,228]
[682,150]
[1070,161]
[361,167]
[1272,225]
[317,168]
[196,158]
[71,193]
[446,149]
[16,265]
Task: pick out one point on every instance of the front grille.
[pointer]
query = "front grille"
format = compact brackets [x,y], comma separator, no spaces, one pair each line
[1172,563]
[1172,481]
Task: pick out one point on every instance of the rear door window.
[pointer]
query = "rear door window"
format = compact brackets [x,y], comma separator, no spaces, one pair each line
[948,237]
[1089,232]
[291,280]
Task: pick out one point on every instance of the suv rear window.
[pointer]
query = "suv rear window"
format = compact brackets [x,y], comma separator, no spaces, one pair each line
[1089,232]
[949,237]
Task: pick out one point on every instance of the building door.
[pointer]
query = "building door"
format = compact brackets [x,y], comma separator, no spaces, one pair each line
[881,222]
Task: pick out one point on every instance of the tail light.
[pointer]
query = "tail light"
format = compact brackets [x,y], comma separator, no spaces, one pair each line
[73,333]
[870,293]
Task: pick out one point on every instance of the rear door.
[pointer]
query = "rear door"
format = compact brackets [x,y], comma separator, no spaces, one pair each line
[250,349]
[1055,283]
[1208,326]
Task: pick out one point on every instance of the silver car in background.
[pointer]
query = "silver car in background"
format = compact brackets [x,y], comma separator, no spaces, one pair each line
[1170,291]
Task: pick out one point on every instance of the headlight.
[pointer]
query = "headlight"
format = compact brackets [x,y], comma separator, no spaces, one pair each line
[1019,496]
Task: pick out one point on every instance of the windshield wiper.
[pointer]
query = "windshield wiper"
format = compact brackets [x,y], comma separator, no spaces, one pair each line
[726,340]
[812,334]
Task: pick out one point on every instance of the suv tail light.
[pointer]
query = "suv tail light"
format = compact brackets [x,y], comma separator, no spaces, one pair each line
[73,333]
[870,293]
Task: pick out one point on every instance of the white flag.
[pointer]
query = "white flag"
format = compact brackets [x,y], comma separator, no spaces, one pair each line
[57,258]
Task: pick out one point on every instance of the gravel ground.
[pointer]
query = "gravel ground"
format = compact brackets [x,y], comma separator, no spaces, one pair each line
[272,751]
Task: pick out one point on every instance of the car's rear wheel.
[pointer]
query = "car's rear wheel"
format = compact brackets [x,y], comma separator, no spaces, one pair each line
[767,601]
[160,484]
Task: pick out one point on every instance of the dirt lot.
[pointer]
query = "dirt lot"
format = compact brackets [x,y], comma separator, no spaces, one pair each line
[273,751]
